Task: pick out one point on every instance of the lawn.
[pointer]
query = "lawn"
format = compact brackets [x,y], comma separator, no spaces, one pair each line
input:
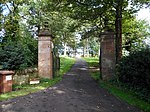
[0,66]
[92,62]
[65,65]
[123,94]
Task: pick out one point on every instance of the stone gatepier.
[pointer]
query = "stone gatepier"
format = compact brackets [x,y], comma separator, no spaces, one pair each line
[45,61]
[107,55]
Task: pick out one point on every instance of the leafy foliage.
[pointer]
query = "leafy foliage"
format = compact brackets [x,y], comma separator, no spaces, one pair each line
[134,71]
[134,33]
[16,56]
[66,18]
[12,57]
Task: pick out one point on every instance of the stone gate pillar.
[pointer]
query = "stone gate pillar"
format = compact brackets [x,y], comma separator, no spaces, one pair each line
[107,55]
[45,62]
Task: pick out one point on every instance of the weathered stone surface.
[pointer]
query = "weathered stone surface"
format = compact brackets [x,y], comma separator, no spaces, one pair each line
[21,79]
[6,81]
[23,76]
[45,56]
[107,55]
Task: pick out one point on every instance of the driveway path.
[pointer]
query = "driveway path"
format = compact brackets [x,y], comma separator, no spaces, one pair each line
[77,92]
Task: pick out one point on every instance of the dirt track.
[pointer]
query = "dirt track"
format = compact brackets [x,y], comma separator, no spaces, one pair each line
[77,92]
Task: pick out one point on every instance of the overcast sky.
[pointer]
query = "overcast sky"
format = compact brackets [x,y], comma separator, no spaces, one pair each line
[144,14]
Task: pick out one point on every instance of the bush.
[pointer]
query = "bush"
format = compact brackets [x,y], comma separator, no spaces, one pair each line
[134,71]
[19,55]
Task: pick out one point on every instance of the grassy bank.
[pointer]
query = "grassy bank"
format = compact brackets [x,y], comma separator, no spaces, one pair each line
[123,94]
[93,64]
[65,64]
[0,66]
[126,95]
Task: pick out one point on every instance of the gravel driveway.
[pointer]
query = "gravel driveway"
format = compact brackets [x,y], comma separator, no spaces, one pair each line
[77,92]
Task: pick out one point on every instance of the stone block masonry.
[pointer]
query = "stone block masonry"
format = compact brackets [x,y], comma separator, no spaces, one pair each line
[107,55]
[45,67]
[6,78]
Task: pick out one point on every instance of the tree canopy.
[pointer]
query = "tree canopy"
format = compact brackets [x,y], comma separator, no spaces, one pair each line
[68,18]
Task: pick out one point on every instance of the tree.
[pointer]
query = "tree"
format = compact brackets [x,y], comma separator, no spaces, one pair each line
[103,15]
[19,49]
[134,33]
[118,29]
[66,18]
[120,9]
[1,16]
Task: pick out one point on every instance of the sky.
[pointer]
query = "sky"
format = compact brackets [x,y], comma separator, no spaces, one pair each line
[144,14]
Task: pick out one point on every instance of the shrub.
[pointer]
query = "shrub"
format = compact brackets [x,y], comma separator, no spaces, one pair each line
[19,55]
[134,71]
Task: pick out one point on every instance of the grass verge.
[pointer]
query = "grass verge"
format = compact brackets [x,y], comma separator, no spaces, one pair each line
[0,66]
[66,63]
[126,95]
[21,90]
[92,61]
[93,64]
[123,94]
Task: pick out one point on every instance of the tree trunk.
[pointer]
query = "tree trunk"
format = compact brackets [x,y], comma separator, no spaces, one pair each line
[87,48]
[84,48]
[65,49]
[118,28]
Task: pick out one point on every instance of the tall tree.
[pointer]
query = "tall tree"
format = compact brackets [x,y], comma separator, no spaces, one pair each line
[118,29]
[100,13]
[135,32]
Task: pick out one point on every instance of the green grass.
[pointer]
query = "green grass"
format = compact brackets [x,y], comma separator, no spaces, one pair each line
[92,62]
[66,63]
[1,66]
[21,90]
[96,75]
[123,94]
[126,95]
